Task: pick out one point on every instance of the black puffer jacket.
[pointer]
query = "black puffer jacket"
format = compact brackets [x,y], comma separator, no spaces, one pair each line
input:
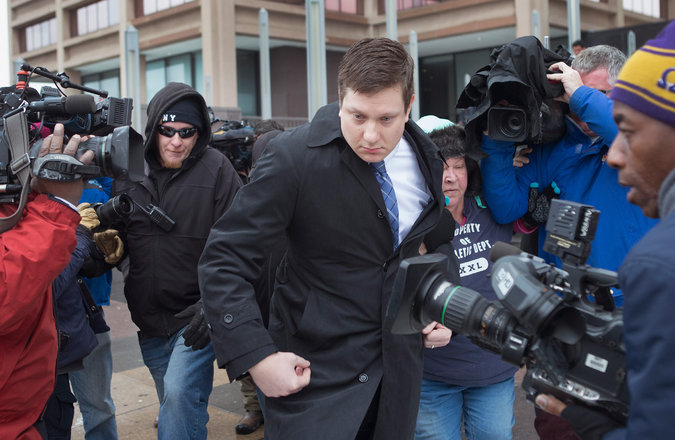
[162,277]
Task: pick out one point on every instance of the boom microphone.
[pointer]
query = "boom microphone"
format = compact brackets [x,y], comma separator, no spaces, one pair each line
[69,105]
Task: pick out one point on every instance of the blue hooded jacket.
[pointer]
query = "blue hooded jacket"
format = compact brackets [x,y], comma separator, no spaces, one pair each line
[577,164]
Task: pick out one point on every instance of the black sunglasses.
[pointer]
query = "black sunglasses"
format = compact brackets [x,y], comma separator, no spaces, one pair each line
[184,133]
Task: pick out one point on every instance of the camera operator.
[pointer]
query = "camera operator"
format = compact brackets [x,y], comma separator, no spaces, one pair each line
[187,186]
[644,155]
[575,165]
[33,253]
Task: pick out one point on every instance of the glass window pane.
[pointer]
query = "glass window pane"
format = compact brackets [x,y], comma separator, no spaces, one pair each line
[149,7]
[247,82]
[44,33]
[179,69]
[199,73]
[332,5]
[163,4]
[111,83]
[29,38]
[113,12]
[102,14]
[81,21]
[91,18]
[52,31]
[154,78]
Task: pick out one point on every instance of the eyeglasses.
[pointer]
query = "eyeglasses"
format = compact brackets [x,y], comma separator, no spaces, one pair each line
[184,133]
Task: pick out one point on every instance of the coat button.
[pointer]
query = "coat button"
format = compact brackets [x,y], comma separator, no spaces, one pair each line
[228,318]
[363,378]
[380,214]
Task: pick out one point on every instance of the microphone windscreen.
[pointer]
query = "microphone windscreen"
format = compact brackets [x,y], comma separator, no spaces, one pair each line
[501,249]
[79,104]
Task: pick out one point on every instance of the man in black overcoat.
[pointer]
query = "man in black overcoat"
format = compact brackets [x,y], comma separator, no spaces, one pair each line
[328,367]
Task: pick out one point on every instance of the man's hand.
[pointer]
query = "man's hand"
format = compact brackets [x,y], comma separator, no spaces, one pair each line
[521,158]
[550,404]
[281,374]
[570,78]
[436,335]
[53,144]
[89,217]
[587,423]
[196,334]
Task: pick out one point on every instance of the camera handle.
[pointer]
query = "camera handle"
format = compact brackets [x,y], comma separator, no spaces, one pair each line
[16,131]
[581,278]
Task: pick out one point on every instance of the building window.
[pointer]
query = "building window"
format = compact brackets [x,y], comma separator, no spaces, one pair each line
[185,68]
[405,4]
[345,6]
[40,34]
[646,7]
[409,4]
[99,15]
[108,81]
[152,6]
[248,81]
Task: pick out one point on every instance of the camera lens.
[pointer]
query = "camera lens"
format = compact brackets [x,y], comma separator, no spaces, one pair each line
[115,211]
[513,124]
[508,123]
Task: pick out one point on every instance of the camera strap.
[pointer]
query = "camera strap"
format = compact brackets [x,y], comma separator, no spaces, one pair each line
[16,131]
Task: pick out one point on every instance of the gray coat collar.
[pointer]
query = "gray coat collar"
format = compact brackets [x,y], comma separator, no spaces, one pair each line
[667,195]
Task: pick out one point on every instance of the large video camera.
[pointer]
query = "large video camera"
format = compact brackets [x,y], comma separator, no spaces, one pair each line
[560,323]
[233,139]
[118,149]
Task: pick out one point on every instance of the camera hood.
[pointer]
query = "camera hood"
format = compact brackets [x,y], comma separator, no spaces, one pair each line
[516,76]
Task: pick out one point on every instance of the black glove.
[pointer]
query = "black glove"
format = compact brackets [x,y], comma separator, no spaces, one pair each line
[539,204]
[587,423]
[196,334]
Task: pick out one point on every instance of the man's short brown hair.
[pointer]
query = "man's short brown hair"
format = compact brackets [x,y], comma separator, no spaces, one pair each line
[374,64]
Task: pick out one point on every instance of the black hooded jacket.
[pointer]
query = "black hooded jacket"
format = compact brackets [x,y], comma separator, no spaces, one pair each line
[162,276]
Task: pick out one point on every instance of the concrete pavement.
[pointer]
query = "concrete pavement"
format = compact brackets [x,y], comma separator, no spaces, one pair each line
[136,400]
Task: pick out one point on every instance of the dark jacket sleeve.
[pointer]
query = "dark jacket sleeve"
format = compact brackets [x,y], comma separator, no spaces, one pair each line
[649,331]
[234,254]
[229,183]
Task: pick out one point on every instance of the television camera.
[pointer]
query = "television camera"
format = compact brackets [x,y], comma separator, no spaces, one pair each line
[118,149]
[234,140]
[560,323]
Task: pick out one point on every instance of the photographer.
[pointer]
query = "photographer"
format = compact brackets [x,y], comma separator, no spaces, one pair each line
[575,164]
[33,253]
[644,155]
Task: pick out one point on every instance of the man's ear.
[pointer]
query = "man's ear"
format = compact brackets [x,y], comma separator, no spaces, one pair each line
[409,109]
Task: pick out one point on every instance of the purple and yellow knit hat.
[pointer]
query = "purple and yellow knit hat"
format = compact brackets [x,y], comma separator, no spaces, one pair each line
[647,80]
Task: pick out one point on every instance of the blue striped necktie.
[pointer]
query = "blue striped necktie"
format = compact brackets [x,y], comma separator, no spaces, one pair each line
[389,196]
